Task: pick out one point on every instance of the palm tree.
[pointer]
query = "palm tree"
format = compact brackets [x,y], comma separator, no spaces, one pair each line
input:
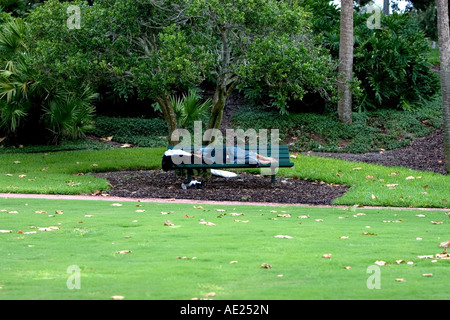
[346,62]
[444,46]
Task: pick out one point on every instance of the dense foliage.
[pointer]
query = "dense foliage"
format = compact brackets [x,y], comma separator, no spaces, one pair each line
[280,54]
[390,64]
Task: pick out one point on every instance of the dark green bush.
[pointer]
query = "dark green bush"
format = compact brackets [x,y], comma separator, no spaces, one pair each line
[370,130]
[392,64]
[137,131]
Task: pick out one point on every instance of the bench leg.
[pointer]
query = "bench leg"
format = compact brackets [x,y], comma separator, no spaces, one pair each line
[273,175]
[189,175]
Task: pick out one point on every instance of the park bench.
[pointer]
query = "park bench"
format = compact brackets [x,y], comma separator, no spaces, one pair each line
[281,154]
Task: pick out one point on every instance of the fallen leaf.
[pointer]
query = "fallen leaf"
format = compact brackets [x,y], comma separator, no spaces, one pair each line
[426,257]
[210,294]
[437,222]
[117,297]
[168,223]
[380,262]
[391,186]
[283,236]
[233,262]
[327,256]
[123,251]
[266,266]
[51,228]
[40,211]
[202,221]
[400,280]
[233,214]
[185,258]
[5,231]
[59,212]
[427,275]
[116,205]
[285,215]
[373,196]
[409,178]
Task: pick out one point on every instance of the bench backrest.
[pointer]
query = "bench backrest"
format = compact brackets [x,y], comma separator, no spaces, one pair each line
[280,152]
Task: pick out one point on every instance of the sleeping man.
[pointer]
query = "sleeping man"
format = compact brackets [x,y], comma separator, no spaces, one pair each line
[231,154]
[208,155]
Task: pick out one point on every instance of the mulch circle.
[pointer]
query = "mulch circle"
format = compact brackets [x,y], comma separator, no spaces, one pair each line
[425,154]
[243,188]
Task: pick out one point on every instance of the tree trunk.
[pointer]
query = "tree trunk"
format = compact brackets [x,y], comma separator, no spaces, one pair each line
[346,62]
[444,44]
[386,9]
[169,115]
[226,83]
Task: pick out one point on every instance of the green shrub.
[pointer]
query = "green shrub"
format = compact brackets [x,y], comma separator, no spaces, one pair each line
[370,130]
[35,105]
[392,64]
[137,131]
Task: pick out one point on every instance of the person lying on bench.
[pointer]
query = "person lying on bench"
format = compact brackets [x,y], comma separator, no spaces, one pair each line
[239,156]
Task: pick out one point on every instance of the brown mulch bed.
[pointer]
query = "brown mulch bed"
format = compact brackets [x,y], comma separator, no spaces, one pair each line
[244,188]
[423,154]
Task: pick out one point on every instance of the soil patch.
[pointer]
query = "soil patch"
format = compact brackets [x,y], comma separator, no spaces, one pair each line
[425,154]
[243,188]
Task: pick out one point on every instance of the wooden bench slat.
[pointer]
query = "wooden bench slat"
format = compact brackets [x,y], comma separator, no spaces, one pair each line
[283,157]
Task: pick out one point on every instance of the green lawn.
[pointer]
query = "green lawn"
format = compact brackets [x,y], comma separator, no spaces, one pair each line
[68,173]
[189,259]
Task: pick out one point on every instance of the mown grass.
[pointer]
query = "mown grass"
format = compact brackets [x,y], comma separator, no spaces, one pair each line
[91,233]
[69,173]
[375,184]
